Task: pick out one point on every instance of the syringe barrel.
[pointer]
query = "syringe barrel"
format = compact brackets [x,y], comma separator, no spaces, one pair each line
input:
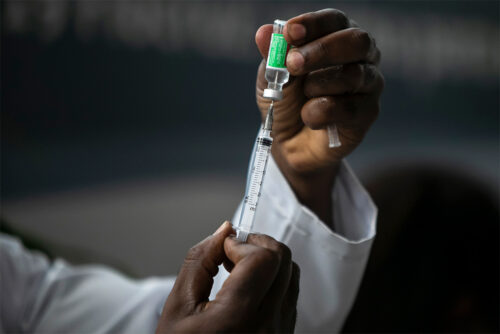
[253,191]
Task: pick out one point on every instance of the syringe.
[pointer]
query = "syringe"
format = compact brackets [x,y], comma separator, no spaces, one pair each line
[256,175]
[276,75]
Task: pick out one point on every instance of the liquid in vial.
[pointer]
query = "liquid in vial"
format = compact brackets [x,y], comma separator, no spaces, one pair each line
[276,73]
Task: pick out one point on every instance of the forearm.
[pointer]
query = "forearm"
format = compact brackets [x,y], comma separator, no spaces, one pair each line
[313,189]
[331,261]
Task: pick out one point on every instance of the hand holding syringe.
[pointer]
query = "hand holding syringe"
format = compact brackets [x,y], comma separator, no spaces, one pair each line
[276,75]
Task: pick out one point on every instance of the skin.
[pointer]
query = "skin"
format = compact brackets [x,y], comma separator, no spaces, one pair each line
[260,294]
[334,78]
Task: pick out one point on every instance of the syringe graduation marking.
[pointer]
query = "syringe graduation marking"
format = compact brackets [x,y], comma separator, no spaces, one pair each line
[264,141]
[257,173]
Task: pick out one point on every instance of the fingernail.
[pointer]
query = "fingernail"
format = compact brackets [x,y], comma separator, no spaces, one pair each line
[297,31]
[295,60]
[221,228]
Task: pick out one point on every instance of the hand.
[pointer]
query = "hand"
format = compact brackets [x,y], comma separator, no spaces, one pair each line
[334,79]
[260,294]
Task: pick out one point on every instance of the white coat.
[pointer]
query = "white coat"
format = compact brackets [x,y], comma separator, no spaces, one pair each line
[39,296]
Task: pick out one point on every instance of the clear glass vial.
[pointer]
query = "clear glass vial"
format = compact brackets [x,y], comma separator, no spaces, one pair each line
[276,73]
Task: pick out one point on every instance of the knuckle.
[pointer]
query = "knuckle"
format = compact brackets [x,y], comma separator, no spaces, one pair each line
[309,17]
[378,56]
[295,282]
[369,74]
[268,256]
[285,252]
[350,106]
[355,70]
[231,323]
[339,17]
[310,88]
[374,79]
[261,239]
[296,267]
[196,258]
[296,270]
[316,82]
[363,40]
[354,77]
[374,43]
[374,55]
[381,81]
[295,293]
[194,253]
[322,48]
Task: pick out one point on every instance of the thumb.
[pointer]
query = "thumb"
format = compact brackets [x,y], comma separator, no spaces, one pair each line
[262,39]
[195,279]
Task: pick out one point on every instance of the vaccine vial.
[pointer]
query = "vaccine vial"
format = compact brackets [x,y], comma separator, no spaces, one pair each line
[276,73]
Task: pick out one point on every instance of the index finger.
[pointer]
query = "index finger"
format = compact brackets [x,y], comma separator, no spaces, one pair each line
[255,269]
[304,28]
[346,46]
[310,26]
[195,279]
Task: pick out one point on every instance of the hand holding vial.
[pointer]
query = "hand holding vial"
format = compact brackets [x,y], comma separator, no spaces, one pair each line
[334,79]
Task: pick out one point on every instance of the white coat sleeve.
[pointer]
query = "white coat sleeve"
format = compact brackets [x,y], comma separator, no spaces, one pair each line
[39,296]
[332,260]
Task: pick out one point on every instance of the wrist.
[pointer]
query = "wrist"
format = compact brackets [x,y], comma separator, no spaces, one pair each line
[313,188]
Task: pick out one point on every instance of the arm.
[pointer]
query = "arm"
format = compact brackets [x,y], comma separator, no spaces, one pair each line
[40,296]
[334,79]
[331,222]
[331,261]
[310,199]
[259,295]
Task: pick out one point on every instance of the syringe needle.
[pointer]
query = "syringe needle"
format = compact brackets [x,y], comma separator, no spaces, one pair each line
[268,124]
